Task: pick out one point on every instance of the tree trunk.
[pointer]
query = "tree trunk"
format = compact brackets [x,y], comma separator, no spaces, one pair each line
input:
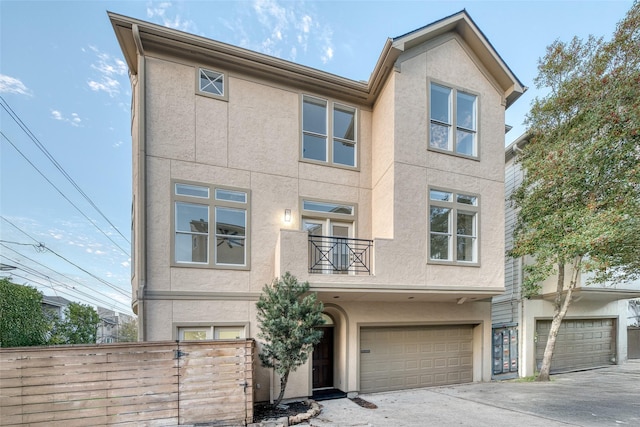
[560,311]
[283,385]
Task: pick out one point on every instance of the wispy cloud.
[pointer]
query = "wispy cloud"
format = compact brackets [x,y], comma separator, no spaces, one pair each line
[10,84]
[109,70]
[290,30]
[163,13]
[73,119]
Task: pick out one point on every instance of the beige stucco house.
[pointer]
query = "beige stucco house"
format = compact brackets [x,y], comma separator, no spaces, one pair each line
[386,196]
[594,332]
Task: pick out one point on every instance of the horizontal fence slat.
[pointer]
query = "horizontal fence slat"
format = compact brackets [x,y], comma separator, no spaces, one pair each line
[128,384]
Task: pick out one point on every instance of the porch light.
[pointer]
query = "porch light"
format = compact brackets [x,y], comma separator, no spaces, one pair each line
[287,216]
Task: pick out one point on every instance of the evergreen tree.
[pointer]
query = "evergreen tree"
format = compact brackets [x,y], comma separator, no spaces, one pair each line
[288,322]
[79,326]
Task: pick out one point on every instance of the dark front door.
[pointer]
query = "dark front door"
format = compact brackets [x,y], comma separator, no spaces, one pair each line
[323,361]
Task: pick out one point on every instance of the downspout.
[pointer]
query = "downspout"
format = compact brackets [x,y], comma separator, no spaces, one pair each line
[142,180]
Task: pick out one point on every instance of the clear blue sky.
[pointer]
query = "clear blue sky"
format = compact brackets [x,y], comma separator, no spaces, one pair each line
[63,77]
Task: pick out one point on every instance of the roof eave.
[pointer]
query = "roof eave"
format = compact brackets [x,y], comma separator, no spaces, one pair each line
[158,38]
[462,24]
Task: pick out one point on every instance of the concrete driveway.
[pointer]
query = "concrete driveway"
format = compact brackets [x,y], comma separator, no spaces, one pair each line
[600,397]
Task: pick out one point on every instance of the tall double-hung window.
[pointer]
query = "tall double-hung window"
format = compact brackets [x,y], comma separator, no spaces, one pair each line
[453,227]
[211,226]
[329,132]
[453,120]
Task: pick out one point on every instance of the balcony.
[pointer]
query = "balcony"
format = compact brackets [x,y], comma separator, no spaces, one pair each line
[349,270]
[339,255]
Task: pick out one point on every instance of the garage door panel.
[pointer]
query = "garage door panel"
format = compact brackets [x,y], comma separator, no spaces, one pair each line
[430,355]
[581,344]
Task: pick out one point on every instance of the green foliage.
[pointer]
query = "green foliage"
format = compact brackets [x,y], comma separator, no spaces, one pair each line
[288,322]
[79,326]
[22,321]
[128,332]
[580,197]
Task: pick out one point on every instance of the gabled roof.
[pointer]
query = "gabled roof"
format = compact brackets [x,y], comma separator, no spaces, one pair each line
[462,24]
[136,36]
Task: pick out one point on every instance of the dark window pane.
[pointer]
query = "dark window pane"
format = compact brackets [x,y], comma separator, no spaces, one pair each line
[440,195]
[314,116]
[212,82]
[440,105]
[344,154]
[439,247]
[465,249]
[344,121]
[466,224]
[230,250]
[467,200]
[314,147]
[439,220]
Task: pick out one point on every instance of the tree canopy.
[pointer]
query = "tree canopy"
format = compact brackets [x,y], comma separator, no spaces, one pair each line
[79,325]
[288,322]
[579,202]
[22,321]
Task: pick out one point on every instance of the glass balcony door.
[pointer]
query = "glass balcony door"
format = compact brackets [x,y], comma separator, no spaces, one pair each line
[329,246]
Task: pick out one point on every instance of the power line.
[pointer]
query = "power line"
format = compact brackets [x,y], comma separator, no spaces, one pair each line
[42,148]
[51,269]
[67,260]
[63,195]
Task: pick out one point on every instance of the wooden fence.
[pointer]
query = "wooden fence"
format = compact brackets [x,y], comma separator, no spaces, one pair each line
[141,384]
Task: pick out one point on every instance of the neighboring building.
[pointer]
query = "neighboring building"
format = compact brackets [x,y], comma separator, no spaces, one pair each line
[594,332]
[386,196]
[55,305]
[110,323]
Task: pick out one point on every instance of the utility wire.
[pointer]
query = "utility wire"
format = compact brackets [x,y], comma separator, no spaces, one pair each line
[70,262]
[42,148]
[56,272]
[63,195]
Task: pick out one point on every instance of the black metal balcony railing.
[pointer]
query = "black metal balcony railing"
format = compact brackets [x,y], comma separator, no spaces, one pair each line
[339,255]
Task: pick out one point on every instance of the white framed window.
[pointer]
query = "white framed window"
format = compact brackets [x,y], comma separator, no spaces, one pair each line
[453,227]
[195,243]
[211,83]
[202,333]
[329,132]
[453,118]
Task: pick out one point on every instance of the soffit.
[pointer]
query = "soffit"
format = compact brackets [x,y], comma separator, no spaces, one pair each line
[159,39]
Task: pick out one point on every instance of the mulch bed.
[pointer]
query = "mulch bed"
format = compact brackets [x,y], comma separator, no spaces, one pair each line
[266,411]
[364,403]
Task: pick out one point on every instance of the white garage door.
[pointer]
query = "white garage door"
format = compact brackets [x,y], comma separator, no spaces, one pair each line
[396,358]
[581,344]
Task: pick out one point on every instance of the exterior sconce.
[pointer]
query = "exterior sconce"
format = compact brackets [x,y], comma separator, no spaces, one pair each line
[287,216]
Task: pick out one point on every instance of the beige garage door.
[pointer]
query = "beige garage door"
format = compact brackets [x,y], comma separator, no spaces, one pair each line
[581,344]
[396,358]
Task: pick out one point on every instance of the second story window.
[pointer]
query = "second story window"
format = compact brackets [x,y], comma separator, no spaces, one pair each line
[453,120]
[196,243]
[453,227]
[211,83]
[329,132]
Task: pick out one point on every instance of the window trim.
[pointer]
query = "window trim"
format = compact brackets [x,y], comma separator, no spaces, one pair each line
[454,207]
[308,213]
[454,120]
[331,105]
[212,203]
[225,83]
[209,327]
